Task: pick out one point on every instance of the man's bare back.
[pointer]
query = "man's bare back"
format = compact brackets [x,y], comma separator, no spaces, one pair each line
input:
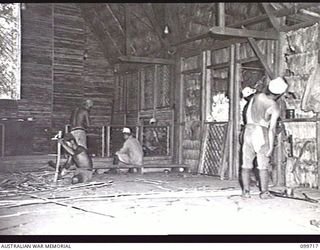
[80,118]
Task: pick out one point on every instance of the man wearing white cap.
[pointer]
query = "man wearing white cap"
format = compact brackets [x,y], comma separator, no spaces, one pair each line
[262,115]
[247,93]
[131,152]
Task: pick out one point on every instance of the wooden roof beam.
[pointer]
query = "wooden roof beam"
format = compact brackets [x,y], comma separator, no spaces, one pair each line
[271,16]
[218,31]
[230,32]
[221,15]
[145,60]
[310,13]
[115,44]
[119,25]
[149,12]
[261,57]
[278,13]
[299,26]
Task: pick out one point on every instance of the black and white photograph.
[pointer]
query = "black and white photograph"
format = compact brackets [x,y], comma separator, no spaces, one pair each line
[159,118]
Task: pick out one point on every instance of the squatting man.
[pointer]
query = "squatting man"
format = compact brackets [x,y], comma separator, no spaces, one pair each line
[131,152]
[260,129]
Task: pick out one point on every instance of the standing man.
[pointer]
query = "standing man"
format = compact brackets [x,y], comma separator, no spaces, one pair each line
[262,115]
[80,121]
[131,152]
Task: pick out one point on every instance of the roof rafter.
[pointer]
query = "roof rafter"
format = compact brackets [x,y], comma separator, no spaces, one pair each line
[105,29]
[119,24]
[271,16]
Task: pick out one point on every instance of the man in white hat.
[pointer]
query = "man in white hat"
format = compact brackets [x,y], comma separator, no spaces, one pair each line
[131,152]
[262,115]
[247,93]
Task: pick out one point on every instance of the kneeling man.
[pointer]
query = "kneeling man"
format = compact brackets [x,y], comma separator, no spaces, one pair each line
[80,160]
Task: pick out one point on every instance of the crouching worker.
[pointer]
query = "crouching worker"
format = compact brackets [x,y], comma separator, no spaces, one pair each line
[131,152]
[80,161]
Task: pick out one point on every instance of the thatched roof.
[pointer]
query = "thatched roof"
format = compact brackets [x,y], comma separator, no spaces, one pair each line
[137,28]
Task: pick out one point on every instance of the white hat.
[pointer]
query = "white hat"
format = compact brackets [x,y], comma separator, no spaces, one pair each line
[126,130]
[248,91]
[278,86]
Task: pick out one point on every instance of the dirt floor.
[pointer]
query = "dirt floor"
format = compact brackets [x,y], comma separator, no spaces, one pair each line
[153,203]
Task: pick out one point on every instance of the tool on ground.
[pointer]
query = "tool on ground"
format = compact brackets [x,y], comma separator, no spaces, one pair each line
[283,195]
[58,136]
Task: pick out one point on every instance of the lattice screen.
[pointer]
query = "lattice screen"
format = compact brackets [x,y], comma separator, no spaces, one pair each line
[164,86]
[148,87]
[10,50]
[121,93]
[156,141]
[132,91]
[117,94]
[212,149]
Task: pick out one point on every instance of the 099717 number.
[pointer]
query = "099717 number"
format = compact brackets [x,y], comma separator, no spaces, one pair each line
[309,245]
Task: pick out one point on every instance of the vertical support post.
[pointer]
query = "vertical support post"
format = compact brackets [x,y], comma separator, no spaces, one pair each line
[55,179]
[168,140]
[278,152]
[318,147]
[141,134]
[3,134]
[221,15]
[236,110]
[206,86]
[181,110]
[127,28]
[108,140]
[231,109]
[137,132]
[103,141]
[155,90]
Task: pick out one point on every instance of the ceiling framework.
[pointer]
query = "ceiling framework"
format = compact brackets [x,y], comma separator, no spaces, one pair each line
[191,25]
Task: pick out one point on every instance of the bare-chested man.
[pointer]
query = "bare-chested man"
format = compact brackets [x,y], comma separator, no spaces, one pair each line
[80,121]
[262,115]
[81,162]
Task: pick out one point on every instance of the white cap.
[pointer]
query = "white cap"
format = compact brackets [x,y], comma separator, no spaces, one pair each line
[248,91]
[278,86]
[153,120]
[126,130]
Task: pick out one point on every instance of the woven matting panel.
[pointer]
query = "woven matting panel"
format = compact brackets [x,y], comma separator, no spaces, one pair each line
[213,148]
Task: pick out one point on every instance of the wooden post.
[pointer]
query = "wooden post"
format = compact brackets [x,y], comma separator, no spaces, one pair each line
[127,28]
[3,134]
[141,134]
[236,110]
[168,140]
[318,147]
[231,110]
[137,132]
[181,110]
[278,151]
[206,86]
[103,141]
[55,179]
[108,141]
[221,15]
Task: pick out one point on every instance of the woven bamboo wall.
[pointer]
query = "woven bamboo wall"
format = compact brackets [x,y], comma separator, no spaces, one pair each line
[54,76]
[301,58]
[36,79]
